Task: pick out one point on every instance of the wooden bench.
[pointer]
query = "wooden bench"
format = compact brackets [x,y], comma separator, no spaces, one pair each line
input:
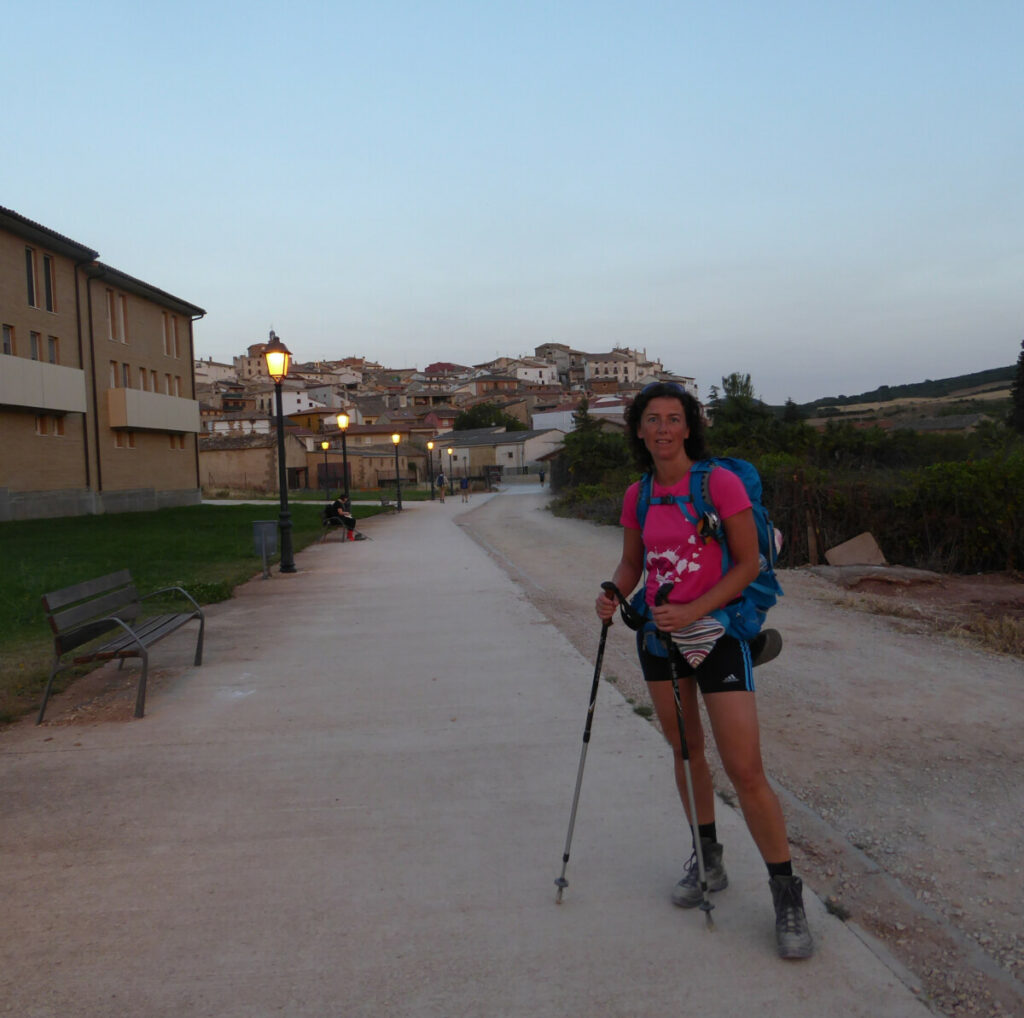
[85,612]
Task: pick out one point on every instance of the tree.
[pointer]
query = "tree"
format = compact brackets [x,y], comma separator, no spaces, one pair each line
[738,387]
[1016,418]
[487,415]
[589,453]
[791,413]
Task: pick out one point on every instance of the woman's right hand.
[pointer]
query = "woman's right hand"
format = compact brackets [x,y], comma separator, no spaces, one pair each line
[605,607]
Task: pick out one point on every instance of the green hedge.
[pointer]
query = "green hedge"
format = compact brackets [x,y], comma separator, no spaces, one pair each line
[951,517]
[963,517]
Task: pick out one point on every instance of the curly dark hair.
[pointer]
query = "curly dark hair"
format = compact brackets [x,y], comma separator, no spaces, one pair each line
[694,445]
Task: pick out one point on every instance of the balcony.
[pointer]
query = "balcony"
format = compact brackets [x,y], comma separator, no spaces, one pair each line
[37,385]
[151,411]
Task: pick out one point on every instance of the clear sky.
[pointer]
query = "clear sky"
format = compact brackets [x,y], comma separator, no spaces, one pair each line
[827,195]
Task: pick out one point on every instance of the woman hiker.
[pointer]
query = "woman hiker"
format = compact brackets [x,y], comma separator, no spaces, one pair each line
[665,429]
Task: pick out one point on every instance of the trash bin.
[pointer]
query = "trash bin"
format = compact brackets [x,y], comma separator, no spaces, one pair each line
[264,536]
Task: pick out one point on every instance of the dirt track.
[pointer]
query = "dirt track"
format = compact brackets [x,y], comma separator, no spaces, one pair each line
[897,752]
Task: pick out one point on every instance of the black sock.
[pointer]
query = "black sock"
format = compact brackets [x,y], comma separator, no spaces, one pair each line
[780,869]
[708,832]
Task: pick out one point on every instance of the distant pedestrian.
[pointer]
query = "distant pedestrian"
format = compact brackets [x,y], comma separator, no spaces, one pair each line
[542,478]
[442,483]
[464,488]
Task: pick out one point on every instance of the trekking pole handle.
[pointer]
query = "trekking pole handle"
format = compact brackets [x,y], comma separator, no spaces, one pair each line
[632,618]
[659,599]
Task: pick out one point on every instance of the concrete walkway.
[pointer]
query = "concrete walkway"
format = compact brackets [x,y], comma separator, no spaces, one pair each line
[357,806]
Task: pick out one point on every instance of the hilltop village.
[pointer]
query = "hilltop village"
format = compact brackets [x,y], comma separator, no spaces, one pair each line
[353,414]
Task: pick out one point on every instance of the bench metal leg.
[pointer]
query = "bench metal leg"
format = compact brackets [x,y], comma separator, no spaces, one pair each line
[49,686]
[140,698]
[199,642]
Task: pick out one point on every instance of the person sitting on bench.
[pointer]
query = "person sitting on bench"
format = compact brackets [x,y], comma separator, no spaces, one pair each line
[339,513]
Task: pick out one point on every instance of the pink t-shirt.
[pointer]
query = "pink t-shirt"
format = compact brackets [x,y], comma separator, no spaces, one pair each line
[675,552]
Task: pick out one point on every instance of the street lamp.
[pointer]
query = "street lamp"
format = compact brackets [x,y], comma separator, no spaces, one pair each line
[396,438]
[278,357]
[430,467]
[325,445]
[343,424]
[451,472]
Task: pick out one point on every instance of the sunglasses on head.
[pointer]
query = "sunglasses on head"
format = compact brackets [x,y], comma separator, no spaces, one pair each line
[671,386]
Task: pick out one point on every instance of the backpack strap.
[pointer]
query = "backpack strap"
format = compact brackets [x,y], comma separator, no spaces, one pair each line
[645,499]
[709,523]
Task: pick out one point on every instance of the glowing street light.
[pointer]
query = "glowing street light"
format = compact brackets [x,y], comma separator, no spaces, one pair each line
[343,422]
[278,358]
[396,438]
[325,445]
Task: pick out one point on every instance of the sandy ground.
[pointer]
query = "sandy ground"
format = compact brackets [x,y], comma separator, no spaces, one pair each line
[895,747]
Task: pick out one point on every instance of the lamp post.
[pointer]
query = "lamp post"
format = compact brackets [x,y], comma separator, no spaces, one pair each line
[451,471]
[343,425]
[396,438]
[430,467]
[325,445]
[278,357]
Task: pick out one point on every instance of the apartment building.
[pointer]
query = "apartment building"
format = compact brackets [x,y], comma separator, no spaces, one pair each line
[98,411]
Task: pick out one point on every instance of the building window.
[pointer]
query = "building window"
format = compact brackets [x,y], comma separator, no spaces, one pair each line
[177,385]
[175,351]
[53,349]
[34,345]
[48,425]
[117,316]
[155,380]
[143,380]
[8,341]
[177,441]
[124,439]
[48,283]
[30,274]
[167,385]
[126,377]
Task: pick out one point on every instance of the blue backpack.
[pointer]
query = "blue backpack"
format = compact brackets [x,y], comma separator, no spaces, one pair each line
[744,617]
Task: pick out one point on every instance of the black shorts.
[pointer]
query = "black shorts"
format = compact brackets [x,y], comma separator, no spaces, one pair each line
[727,669]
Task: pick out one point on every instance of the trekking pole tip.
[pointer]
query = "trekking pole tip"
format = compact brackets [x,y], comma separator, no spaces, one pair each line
[561,883]
[709,923]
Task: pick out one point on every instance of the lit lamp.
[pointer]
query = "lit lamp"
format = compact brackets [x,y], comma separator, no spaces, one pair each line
[451,472]
[325,445]
[343,425]
[430,467]
[278,358]
[396,438]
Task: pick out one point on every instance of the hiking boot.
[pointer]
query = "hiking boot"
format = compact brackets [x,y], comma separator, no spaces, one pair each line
[792,937]
[765,647]
[687,893]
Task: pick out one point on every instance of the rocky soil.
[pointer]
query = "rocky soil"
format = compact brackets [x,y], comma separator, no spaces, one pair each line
[894,739]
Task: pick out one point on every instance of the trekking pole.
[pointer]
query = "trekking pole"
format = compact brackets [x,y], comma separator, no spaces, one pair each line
[633,619]
[561,883]
[666,638]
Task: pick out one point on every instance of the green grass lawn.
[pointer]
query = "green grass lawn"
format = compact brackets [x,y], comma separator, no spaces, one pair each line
[206,549]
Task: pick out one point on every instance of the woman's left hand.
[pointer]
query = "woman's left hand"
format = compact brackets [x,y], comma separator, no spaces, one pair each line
[670,617]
